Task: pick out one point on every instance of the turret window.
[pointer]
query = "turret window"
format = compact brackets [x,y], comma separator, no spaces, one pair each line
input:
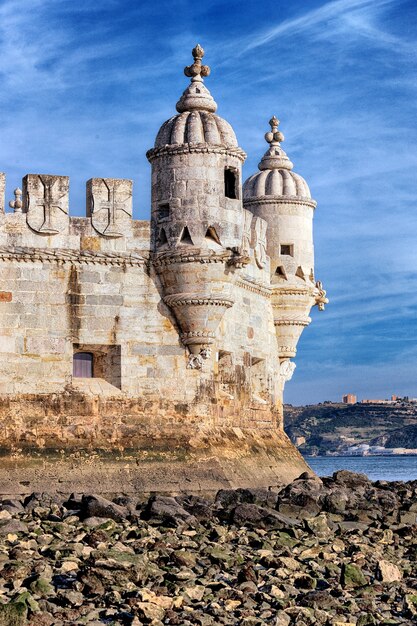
[287,249]
[163,211]
[231,187]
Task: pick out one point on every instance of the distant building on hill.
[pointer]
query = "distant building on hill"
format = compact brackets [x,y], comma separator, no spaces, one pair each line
[349,398]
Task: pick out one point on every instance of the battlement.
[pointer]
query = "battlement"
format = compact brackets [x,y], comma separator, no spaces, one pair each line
[41,210]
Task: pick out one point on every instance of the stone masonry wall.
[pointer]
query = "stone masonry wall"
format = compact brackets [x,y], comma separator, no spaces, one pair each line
[78,289]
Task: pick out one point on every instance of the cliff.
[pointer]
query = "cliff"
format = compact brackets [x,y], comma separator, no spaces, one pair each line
[340,428]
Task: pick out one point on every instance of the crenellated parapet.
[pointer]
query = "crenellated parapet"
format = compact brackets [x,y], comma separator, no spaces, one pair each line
[41,210]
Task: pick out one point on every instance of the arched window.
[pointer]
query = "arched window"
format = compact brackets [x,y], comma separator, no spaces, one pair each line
[83,365]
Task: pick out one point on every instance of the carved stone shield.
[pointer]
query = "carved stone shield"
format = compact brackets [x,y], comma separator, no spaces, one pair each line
[259,242]
[45,202]
[109,205]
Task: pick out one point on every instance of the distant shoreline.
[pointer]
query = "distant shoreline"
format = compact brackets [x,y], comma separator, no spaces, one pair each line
[358,456]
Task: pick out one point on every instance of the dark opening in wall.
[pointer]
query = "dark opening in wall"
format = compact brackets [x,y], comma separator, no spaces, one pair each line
[162,239]
[300,272]
[230,183]
[280,271]
[186,237]
[163,211]
[98,361]
[287,249]
[212,234]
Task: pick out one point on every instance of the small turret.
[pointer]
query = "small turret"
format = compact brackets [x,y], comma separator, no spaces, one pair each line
[282,198]
[197,213]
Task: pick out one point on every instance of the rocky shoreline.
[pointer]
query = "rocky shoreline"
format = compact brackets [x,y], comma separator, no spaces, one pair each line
[331,551]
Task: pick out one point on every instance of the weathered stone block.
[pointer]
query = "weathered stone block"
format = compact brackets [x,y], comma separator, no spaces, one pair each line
[109,205]
[45,202]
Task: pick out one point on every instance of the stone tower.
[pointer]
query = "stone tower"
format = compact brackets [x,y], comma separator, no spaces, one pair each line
[142,355]
[197,213]
[282,198]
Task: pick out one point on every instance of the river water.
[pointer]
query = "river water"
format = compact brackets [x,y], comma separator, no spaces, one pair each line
[375,467]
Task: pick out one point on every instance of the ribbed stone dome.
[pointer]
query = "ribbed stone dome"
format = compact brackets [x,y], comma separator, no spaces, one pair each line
[275,176]
[196,127]
[277,182]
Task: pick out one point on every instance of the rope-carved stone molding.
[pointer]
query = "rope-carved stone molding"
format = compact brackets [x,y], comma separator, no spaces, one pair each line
[281,199]
[287,351]
[73,257]
[293,291]
[293,322]
[171,149]
[183,300]
[192,334]
[198,256]
[254,287]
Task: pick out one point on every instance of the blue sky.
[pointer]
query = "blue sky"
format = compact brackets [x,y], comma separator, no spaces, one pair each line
[86,85]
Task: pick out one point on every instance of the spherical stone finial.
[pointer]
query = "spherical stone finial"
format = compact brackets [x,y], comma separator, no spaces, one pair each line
[196,97]
[197,70]
[17,203]
[274,135]
[275,157]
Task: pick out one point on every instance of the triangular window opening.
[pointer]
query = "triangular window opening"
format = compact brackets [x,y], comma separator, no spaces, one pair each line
[300,273]
[212,234]
[162,237]
[186,237]
[280,271]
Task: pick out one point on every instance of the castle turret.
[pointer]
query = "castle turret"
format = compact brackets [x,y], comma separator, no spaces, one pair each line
[197,213]
[282,198]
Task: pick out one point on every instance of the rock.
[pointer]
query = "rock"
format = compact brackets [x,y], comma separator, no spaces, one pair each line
[150,611]
[388,572]
[304,581]
[97,506]
[319,526]
[166,509]
[352,576]
[13,614]
[248,514]
[282,619]
[13,526]
[351,480]
[41,587]
[319,599]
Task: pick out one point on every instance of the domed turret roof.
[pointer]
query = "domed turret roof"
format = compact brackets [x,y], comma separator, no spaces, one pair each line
[275,177]
[196,127]
[196,122]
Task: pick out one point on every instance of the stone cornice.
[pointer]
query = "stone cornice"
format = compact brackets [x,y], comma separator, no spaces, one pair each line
[292,322]
[198,148]
[255,287]
[184,299]
[247,202]
[292,291]
[73,257]
[195,255]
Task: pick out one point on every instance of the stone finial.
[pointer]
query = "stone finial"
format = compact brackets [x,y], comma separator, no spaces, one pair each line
[275,158]
[197,70]
[196,97]
[274,135]
[320,296]
[17,203]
